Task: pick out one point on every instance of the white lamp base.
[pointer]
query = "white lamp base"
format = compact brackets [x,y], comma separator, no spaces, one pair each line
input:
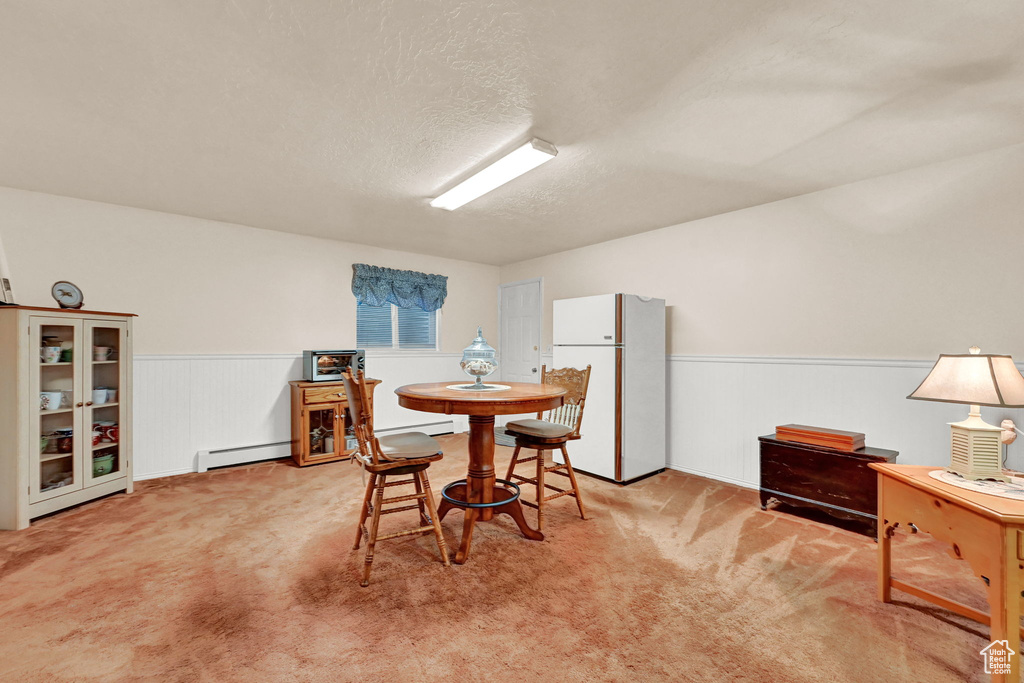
[976,451]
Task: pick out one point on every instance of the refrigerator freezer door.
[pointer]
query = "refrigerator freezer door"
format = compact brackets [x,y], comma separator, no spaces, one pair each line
[643,386]
[595,451]
[585,320]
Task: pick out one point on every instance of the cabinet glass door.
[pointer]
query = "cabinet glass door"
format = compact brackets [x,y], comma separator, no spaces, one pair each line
[321,431]
[104,377]
[55,393]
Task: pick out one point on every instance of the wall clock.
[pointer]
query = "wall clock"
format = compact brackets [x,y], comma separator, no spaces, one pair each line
[67,294]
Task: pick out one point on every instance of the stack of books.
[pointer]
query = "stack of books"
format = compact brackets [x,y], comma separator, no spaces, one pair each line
[819,436]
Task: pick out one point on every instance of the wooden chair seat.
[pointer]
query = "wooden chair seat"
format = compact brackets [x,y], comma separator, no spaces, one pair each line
[540,428]
[390,456]
[408,445]
[542,435]
[399,468]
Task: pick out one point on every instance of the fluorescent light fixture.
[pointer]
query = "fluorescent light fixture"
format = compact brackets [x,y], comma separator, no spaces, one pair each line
[516,163]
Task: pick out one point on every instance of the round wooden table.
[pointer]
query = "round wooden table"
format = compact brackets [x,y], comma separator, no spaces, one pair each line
[481,406]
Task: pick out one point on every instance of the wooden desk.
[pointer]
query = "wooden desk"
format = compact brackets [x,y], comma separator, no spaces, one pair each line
[987,531]
[481,407]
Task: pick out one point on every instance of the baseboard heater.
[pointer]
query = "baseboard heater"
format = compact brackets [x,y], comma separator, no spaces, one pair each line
[241,455]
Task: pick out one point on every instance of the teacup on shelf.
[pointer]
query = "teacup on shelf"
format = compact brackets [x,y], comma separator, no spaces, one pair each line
[50,400]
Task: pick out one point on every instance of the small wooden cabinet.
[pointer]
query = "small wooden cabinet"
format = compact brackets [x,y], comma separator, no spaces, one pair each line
[65,409]
[838,483]
[320,421]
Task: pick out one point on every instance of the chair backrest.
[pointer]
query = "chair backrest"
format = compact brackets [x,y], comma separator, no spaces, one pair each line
[575,383]
[360,411]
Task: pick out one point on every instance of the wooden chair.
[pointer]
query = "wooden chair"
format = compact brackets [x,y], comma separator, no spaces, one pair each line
[551,432]
[390,456]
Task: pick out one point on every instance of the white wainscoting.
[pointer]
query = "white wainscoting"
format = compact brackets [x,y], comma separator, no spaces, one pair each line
[187,404]
[718,406]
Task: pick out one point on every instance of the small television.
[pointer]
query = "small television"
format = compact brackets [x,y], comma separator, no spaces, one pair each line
[327,366]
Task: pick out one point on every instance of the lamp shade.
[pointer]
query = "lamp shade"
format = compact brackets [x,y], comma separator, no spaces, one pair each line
[975,379]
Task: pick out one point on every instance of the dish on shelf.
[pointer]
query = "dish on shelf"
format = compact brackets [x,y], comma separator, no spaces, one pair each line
[65,440]
[102,464]
[58,480]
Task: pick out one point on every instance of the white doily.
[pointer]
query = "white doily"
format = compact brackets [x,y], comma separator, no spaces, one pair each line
[479,389]
[1013,489]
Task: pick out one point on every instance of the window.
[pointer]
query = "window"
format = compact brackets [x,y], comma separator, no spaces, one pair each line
[391,327]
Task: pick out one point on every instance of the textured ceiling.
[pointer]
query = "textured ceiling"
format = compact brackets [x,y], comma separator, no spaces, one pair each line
[342,119]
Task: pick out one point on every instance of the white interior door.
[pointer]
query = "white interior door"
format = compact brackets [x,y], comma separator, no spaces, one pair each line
[519,304]
[519,311]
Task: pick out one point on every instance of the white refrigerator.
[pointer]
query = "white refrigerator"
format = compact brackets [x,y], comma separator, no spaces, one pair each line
[622,338]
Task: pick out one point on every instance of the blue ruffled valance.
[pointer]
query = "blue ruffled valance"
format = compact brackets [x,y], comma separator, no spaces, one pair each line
[376,286]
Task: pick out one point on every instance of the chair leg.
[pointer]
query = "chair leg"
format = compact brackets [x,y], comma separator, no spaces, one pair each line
[575,486]
[512,464]
[419,502]
[364,510]
[428,497]
[540,489]
[378,501]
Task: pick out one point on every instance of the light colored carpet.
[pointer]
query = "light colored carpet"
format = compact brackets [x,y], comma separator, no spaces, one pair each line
[247,574]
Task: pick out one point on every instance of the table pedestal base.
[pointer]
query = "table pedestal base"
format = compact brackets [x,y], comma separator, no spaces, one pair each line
[512,508]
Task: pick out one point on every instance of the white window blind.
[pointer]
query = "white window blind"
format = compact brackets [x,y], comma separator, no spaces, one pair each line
[373,326]
[391,327]
[417,329]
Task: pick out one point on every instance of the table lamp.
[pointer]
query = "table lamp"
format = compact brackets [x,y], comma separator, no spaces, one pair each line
[978,380]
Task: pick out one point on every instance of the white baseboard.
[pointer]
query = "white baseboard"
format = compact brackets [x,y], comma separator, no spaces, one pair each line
[715,477]
[239,456]
[227,457]
[158,475]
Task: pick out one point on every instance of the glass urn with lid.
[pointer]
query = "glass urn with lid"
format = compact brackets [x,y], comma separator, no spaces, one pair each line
[478,359]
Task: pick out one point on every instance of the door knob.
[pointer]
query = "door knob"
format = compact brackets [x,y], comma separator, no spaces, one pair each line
[88,403]
[535,370]
[79,404]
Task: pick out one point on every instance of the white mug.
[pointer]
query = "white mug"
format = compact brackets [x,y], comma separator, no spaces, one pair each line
[111,395]
[50,400]
[99,396]
[50,354]
[101,352]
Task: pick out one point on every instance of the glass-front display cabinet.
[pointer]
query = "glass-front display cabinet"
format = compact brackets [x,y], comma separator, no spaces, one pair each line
[70,437]
[321,427]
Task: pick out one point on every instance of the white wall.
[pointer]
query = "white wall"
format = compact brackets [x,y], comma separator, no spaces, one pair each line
[903,266]
[202,287]
[894,270]
[224,312]
[824,309]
